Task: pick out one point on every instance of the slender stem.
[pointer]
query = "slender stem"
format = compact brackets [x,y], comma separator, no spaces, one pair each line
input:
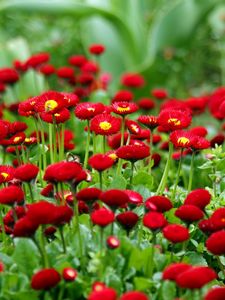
[42,142]
[54,138]
[104,143]
[150,263]
[178,174]
[101,239]
[87,145]
[132,173]
[100,180]
[18,155]
[122,131]
[31,192]
[42,245]
[62,239]
[150,149]
[191,172]
[94,142]
[220,265]
[51,143]
[2,227]
[163,181]
[39,249]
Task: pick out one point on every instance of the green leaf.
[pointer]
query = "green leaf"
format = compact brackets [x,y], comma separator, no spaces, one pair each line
[118,182]
[25,256]
[142,283]
[143,178]
[168,290]
[196,259]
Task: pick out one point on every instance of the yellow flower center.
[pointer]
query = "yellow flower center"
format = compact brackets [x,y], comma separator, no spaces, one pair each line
[98,288]
[91,109]
[16,139]
[50,105]
[174,121]
[113,242]
[134,127]
[113,156]
[123,109]
[57,115]
[183,141]
[105,125]
[4,175]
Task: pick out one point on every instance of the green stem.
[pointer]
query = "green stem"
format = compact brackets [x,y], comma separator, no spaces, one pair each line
[87,145]
[178,174]
[42,245]
[163,181]
[100,180]
[62,239]
[51,143]
[132,173]
[150,263]
[220,265]
[31,192]
[122,131]
[150,149]
[43,142]
[191,172]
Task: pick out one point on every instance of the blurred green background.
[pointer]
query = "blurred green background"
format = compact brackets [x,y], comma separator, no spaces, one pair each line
[176,44]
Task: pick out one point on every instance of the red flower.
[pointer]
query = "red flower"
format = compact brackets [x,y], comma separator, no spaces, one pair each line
[161,203]
[89,194]
[18,210]
[37,60]
[133,152]
[124,108]
[134,295]
[77,60]
[47,69]
[200,143]
[105,124]
[199,197]
[146,104]
[154,220]
[195,277]
[218,139]
[86,78]
[27,108]
[149,121]
[127,219]
[65,72]
[102,217]
[216,243]
[69,274]
[197,104]
[207,226]
[62,215]
[2,267]
[8,76]
[24,227]
[87,110]
[174,270]
[123,96]
[189,213]
[47,191]
[199,130]
[176,233]
[3,129]
[171,119]
[218,218]
[103,294]
[41,212]
[132,80]
[135,199]
[113,242]
[159,93]
[50,102]
[114,141]
[60,117]
[216,293]
[96,49]
[133,127]
[45,279]
[11,195]
[182,139]
[114,198]
[90,66]
[26,172]
[100,162]
[62,171]
[6,173]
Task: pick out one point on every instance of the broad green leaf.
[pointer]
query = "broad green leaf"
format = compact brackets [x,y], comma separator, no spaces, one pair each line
[25,255]
[142,283]
[118,182]
[168,290]
[143,178]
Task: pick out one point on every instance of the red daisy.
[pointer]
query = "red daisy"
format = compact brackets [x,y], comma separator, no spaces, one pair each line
[50,102]
[87,110]
[123,96]
[124,108]
[132,80]
[133,152]
[59,117]
[105,124]
[146,104]
[149,121]
[37,60]
[102,217]
[182,139]
[100,162]
[176,233]
[45,279]
[97,49]
[171,119]
[159,93]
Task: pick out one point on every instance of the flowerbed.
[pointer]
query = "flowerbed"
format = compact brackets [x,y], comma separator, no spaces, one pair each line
[107,197]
